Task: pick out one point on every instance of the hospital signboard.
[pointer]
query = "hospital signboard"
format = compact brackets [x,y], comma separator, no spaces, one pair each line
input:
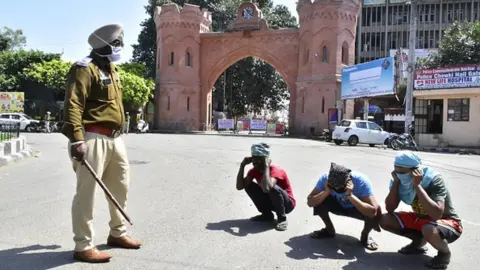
[447,77]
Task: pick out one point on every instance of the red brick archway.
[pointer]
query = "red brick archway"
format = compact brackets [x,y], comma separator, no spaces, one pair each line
[223,50]
[190,58]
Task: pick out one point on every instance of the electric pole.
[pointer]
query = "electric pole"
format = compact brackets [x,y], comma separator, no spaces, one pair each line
[411,65]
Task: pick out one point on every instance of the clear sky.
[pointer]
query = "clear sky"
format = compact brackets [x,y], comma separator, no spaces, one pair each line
[62,25]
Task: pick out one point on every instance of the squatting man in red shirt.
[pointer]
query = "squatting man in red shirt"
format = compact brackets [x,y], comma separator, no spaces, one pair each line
[272,191]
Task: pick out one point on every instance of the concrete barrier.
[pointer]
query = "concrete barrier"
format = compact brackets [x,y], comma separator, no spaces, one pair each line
[14,150]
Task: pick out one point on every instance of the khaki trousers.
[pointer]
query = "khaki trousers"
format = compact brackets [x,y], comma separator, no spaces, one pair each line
[108,157]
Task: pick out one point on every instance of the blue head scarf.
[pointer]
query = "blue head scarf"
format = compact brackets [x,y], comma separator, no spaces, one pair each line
[260,150]
[408,159]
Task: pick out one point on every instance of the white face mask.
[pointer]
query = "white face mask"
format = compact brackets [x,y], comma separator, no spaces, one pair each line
[116,54]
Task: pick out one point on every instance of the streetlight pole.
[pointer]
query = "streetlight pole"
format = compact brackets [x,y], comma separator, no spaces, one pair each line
[411,65]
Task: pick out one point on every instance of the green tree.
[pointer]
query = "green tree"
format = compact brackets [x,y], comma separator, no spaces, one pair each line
[11,39]
[134,68]
[4,43]
[52,74]
[460,45]
[136,89]
[13,63]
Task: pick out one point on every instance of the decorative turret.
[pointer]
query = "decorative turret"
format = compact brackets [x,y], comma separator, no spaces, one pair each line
[327,43]
[301,4]
[178,32]
[178,58]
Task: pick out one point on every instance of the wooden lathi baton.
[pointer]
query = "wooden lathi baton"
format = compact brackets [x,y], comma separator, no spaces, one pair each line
[109,195]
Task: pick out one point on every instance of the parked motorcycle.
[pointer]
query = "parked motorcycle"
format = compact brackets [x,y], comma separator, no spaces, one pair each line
[38,127]
[142,127]
[327,135]
[403,141]
[392,137]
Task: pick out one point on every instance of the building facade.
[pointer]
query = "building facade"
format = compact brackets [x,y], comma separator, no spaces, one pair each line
[384,25]
[447,106]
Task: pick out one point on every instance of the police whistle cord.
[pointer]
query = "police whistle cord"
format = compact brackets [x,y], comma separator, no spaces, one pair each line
[109,195]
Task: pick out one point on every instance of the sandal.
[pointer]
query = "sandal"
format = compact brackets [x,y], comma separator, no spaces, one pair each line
[441,261]
[369,243]
[282,226]
[322,234]
[413,250]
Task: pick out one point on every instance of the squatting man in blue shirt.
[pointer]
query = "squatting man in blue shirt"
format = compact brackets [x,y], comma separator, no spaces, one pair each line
[346,193]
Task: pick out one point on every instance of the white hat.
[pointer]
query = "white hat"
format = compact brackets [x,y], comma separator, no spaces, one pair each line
[104,35]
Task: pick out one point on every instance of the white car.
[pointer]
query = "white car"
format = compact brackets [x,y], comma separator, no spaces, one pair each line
[359,131]
[25,121]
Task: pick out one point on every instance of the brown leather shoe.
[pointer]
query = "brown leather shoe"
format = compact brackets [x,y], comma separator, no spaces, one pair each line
[92,255]
[123,242]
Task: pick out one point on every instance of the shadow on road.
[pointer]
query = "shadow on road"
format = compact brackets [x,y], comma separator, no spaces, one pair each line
[244,226]
[342,247]
[345,247]
[34,257]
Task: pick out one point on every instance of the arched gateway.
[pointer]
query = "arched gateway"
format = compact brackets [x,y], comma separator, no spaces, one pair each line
[190,58]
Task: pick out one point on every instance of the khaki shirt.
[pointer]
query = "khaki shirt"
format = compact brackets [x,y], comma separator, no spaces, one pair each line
[93,96]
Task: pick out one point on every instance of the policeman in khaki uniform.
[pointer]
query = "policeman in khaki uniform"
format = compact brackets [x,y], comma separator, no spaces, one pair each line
[94,120]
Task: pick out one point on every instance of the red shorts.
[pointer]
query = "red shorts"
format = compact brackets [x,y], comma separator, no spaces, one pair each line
[450,229]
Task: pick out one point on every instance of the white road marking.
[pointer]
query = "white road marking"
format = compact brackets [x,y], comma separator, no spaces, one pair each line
[472,223]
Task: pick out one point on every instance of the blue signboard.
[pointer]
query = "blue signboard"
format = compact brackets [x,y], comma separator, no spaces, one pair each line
[373,2]
[375,78]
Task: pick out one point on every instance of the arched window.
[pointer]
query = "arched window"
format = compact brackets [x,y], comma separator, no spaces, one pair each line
[325,54]
[168,103]
[306,56]
[345,53]
[188,103]
[188,60]
[323,104]
[171,59]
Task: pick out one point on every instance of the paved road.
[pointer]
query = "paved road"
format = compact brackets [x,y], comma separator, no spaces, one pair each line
[184,205]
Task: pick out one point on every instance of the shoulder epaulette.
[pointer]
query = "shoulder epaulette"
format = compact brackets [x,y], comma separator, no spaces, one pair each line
[84,62]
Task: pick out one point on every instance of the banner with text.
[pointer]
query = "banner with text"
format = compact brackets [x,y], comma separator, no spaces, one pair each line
[375,78]
[226,124]
[447,77]
[12,102]
[258,124]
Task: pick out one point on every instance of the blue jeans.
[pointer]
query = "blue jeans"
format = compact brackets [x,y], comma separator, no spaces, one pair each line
[330,205]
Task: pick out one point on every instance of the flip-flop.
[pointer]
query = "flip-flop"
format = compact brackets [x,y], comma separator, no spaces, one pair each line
[369,244]
[413,250]
[322,234]
[441,261]
[282,226]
